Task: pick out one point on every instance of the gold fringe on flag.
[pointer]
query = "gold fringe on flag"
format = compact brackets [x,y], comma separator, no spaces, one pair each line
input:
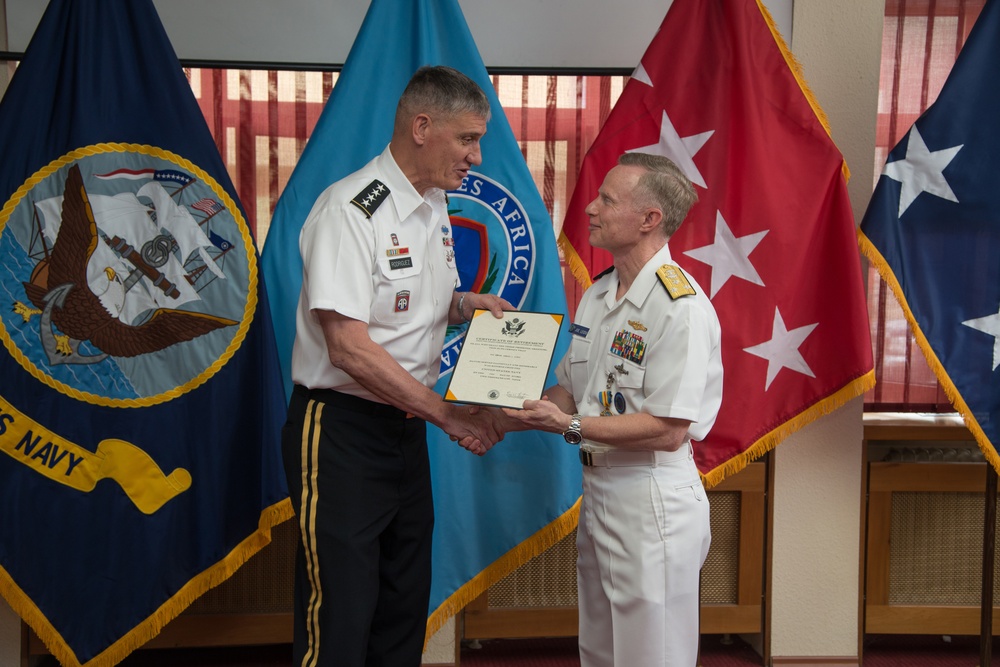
[855,387]
[149,628]
[796,70]
[848,392]
[576,265]
[950,390]
[538,543]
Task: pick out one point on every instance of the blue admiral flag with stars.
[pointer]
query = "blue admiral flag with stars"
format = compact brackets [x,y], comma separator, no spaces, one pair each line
[932,229]
[140,396]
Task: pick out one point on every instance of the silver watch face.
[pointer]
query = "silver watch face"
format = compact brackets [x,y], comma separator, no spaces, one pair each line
[573,437]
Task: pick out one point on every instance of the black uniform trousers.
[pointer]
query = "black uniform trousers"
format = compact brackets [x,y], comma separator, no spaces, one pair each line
[359,479]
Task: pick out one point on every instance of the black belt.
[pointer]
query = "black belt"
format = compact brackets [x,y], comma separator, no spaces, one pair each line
[351,402]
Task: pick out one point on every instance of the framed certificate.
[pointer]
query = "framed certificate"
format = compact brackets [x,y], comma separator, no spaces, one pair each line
[504,361]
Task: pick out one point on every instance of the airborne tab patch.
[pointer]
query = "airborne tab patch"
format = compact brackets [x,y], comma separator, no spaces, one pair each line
[675,281]
[371,197]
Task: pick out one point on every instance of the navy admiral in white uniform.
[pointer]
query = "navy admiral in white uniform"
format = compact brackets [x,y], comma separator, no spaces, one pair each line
[641,380]
[379,287]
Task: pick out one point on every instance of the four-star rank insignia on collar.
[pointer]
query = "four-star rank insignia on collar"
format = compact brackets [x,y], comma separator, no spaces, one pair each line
[371,197]
[675,281]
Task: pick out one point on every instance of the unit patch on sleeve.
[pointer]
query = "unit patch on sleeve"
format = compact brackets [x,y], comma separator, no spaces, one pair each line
[675,281]
[371,197]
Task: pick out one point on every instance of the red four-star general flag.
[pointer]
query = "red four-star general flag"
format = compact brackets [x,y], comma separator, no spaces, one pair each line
[772,237]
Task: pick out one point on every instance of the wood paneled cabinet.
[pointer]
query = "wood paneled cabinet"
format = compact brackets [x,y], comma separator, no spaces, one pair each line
[732,579]
[924,543]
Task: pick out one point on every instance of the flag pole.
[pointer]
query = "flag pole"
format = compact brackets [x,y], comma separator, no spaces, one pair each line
[989,542]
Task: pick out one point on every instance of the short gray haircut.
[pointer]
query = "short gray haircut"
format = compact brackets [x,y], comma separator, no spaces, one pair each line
[663,186]
[443,91]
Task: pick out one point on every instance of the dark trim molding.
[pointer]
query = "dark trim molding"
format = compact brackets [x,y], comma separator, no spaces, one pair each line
[336,67]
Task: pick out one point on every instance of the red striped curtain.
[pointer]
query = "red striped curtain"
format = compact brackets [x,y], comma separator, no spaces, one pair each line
[261,120]
[921,39]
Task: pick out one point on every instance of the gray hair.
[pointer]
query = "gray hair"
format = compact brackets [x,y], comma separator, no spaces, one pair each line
[441,90]
[663,186]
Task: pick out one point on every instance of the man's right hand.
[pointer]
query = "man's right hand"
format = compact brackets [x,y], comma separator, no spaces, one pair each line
[475,429]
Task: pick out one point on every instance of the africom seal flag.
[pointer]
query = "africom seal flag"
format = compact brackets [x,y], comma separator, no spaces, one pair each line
[140,393]
[932,229]
[772,236]
[495,512]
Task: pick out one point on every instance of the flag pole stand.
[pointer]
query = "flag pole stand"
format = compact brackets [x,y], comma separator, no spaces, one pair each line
[989,541]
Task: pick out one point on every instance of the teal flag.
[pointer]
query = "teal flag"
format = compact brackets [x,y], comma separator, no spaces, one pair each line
[492,513]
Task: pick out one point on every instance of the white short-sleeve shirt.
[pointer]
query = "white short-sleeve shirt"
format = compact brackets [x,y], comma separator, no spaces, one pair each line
[395,271]
[645,352]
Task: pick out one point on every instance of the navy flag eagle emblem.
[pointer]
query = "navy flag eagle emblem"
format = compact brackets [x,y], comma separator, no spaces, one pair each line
[59,289]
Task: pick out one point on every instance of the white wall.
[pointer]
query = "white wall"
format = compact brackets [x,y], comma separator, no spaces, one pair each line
[817,484]
[509,33]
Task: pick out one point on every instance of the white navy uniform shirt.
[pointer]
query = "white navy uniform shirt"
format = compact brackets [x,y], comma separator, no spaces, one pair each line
[396,272]
[664,355]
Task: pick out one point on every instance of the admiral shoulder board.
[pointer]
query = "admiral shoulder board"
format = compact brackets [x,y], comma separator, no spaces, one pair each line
[675,281]
[371,197]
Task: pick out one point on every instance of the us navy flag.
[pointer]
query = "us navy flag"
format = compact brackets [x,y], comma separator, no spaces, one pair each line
[140,396]
[932,229]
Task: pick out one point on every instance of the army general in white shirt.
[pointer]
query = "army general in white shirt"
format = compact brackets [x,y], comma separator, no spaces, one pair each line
[379,287]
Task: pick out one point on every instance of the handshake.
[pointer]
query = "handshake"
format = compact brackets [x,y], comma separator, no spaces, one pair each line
[477,428]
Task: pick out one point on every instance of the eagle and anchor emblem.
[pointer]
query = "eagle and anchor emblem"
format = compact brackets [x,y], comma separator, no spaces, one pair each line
[131,278]
[81,294]
[116,268]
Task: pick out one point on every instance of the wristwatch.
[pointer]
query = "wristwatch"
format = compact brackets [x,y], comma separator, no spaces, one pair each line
[572,434]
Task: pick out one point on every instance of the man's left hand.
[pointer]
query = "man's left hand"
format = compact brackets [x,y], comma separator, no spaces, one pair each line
[491,302]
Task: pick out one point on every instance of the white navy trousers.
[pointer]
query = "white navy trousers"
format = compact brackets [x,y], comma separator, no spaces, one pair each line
[642,538]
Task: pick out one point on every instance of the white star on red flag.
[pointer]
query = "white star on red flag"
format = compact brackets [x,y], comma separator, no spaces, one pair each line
[782,350]
[715,94]
[728,255]
[679,149]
